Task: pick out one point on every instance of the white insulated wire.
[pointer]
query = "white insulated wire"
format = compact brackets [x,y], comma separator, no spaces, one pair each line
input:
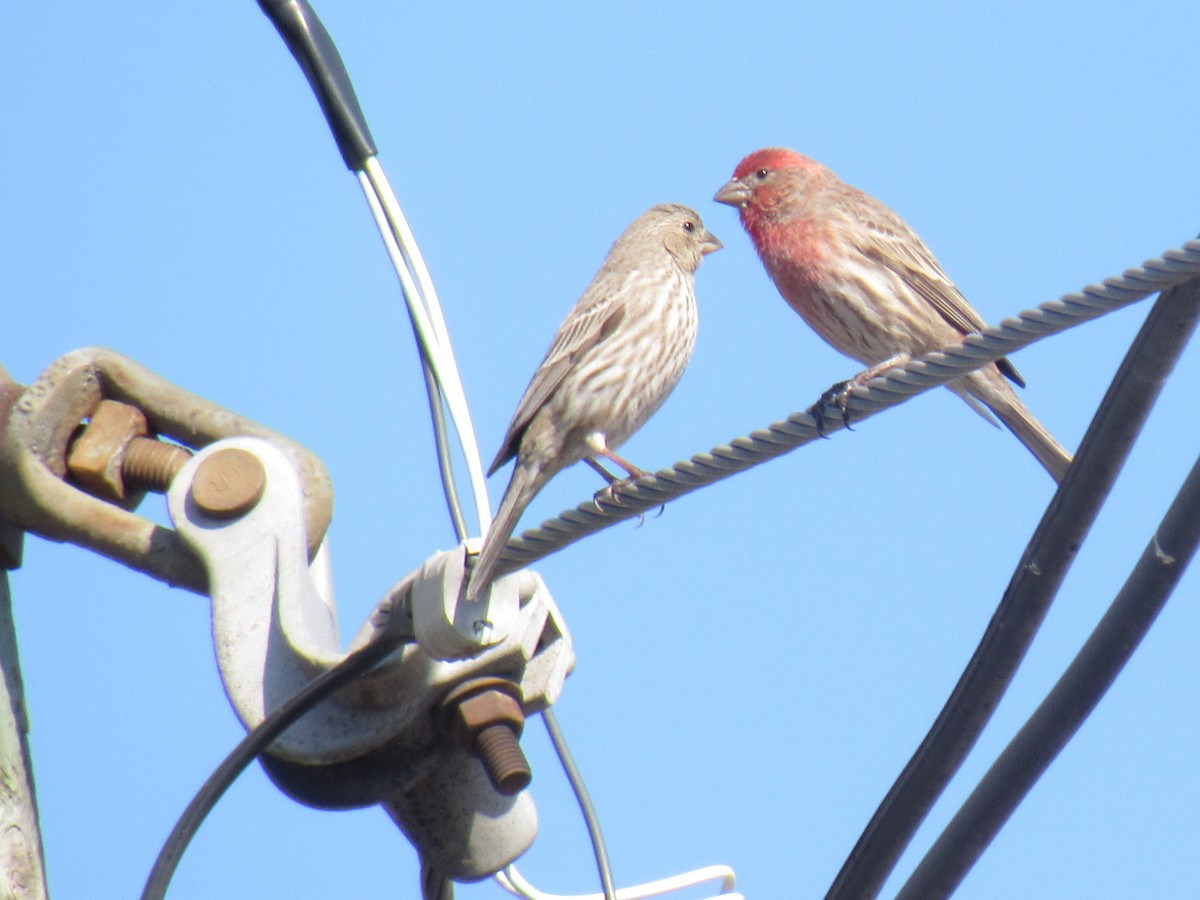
[421,299]
[510,879]
[425,310]
[408,245]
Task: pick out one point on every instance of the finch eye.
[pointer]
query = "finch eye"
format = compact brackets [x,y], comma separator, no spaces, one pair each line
[689,227]
[762,173]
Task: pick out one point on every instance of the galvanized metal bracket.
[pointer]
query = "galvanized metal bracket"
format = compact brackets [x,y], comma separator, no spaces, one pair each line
[36,428]
[377,740]
[251,536]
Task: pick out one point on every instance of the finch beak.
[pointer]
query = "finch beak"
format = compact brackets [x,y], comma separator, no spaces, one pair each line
[733,193]
[709,243]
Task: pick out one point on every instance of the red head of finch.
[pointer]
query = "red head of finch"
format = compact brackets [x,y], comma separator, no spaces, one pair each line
[864,281]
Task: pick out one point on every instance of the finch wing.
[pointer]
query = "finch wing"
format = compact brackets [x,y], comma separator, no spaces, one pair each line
[595,316]
[893,244]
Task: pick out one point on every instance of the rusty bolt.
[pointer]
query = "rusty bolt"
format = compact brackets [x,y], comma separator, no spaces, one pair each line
[114,459]
[229,483]
[484,715]
[152,465]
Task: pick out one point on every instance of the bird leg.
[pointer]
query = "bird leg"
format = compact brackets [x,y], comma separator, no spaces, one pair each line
[604,473]
[839,394]
[607,494]
[634,472]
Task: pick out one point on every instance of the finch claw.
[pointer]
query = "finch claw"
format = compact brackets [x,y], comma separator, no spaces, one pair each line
[642,516]
[609,494]
[838,395]
[843,402]
[816,412]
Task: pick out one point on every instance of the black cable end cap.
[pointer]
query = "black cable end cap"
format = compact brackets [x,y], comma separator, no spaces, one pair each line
[318,57]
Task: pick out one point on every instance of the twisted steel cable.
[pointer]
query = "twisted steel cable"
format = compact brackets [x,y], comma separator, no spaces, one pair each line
[893,387]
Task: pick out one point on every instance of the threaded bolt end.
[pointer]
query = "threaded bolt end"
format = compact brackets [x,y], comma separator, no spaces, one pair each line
[151,465]
[500,752]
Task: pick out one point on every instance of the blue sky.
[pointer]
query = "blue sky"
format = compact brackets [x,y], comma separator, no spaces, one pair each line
[757,664]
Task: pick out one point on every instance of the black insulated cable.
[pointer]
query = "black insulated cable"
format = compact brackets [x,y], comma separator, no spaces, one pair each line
[253,744]
[1087,679]
[1039,574]
[1068,704]
[318,57]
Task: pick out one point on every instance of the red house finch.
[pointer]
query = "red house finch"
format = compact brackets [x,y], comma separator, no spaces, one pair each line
[864,281]
[618,354]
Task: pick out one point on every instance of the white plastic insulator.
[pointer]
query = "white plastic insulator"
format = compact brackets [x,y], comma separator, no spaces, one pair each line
[446,624]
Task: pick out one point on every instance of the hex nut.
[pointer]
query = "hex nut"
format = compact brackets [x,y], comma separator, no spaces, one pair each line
[471,715]
[95,457]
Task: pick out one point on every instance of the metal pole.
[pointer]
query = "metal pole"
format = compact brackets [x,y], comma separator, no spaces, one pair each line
[22,868]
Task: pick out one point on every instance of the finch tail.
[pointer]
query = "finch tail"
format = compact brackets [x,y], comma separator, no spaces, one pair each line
[1040,442]
[993,391]
[525,483]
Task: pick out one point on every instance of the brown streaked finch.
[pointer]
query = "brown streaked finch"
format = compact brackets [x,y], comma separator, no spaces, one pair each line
[620,351]
[864,281]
